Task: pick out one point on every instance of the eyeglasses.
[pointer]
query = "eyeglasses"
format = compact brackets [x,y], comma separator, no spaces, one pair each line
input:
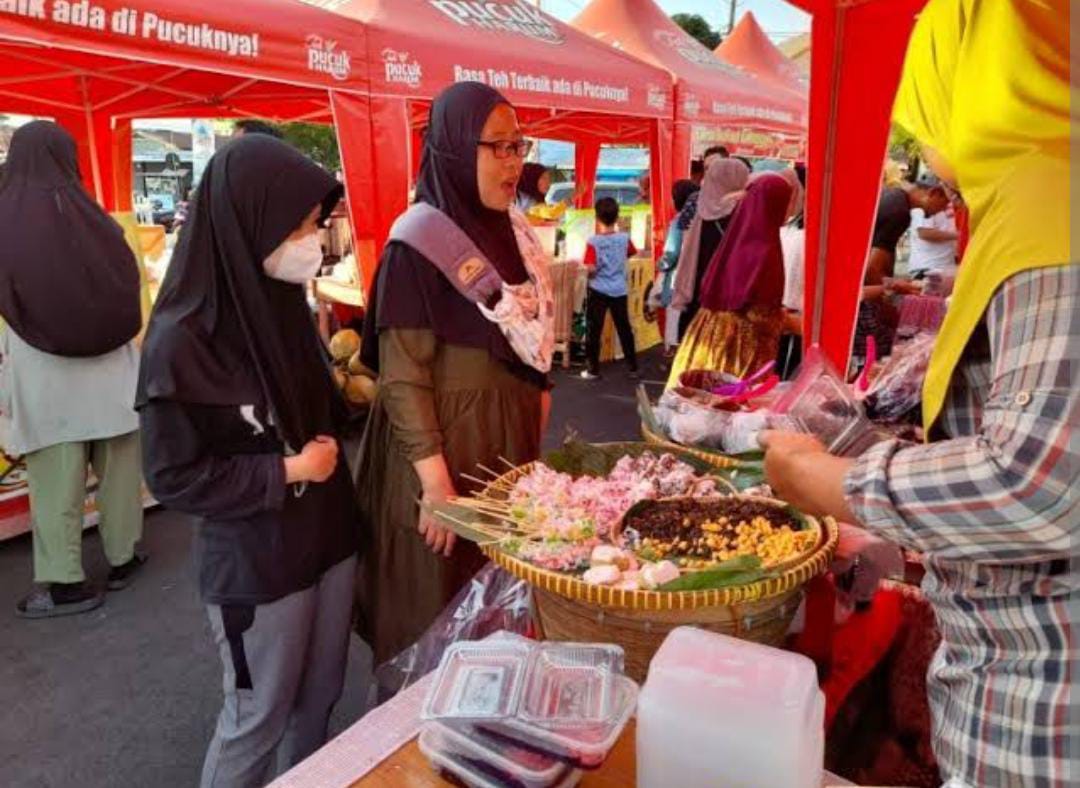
[504,149]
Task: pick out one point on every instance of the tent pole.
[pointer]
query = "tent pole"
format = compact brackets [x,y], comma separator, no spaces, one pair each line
[827,183]
[91,138]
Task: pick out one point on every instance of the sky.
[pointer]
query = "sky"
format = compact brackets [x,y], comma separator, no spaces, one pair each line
[779,19]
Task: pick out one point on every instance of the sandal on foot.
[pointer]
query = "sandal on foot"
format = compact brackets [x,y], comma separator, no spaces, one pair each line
[59,599]
[121,576]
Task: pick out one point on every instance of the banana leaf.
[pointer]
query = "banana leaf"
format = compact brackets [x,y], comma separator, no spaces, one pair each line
[597,459]
[739,571]
[466,523]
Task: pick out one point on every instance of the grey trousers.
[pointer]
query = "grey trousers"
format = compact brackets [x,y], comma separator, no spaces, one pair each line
[284,671]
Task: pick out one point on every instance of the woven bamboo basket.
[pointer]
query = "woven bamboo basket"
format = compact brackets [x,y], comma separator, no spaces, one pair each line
[570,609]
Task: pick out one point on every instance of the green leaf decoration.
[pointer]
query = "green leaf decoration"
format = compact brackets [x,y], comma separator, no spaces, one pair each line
[738,571]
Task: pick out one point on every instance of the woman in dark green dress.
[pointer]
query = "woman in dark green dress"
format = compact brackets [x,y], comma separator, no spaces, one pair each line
[454,390]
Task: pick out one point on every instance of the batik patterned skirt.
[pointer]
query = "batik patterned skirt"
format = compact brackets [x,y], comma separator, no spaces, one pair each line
[738,343]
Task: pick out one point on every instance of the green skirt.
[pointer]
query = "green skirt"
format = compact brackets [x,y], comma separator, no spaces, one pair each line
[486,414]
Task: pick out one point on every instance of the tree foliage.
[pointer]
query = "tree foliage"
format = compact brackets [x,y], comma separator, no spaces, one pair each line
[695,25]
[904,147]
[315,140]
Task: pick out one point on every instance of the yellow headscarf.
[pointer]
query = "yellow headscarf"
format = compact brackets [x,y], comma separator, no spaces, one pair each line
[986,83]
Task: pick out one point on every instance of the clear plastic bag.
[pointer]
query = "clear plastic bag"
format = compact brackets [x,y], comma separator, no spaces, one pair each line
[861,562]
[492,601]
[690,418]
[896,388]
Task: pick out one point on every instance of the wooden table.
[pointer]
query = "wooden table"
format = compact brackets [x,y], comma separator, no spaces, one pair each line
[408,768]
[358,757]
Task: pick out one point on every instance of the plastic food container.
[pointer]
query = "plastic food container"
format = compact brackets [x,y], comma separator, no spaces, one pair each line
[491,761]
[819,402]
[580,746]
[571,684]
[563,684]
[479,681]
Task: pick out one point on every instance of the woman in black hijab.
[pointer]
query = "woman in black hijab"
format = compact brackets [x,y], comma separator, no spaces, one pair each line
[533,186]
[69,296]
[240,414]
[454,391]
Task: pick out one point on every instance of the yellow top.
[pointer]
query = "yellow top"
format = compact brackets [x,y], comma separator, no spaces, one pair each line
[986,84]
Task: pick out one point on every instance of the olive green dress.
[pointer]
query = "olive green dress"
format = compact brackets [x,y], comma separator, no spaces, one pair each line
[433,397]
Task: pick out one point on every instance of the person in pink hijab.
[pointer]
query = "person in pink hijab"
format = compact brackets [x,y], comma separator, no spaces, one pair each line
[720,192]
[737,329]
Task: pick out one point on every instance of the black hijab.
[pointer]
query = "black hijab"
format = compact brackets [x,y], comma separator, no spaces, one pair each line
[69,283]
[409,291]
[224,333]
[529,185]
[681,192]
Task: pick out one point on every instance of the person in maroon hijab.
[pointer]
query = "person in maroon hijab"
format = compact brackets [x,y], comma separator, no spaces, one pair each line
[737,330]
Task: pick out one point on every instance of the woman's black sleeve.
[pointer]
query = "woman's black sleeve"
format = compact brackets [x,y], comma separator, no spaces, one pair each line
[184,474]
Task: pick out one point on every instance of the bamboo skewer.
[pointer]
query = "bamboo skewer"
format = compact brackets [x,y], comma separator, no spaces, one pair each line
[488,471]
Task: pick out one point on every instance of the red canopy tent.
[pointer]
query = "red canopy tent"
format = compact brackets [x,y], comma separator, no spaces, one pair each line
[564,85]
[857,53]
[94,66]
[735,108]
[750,49]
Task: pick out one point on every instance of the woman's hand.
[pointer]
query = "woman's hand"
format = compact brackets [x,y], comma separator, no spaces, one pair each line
[437,488]
[315,463]
[437,536]
[802,472]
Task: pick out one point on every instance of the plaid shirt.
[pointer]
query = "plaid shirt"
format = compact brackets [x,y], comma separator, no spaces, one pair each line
[995,512]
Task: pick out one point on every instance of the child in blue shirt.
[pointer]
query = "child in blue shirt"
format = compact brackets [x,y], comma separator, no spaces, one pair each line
[605,257]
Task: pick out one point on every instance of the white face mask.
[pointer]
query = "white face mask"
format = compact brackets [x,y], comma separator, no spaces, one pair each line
[295,261]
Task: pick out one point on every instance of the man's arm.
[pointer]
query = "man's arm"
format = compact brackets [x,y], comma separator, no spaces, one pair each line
[937,236]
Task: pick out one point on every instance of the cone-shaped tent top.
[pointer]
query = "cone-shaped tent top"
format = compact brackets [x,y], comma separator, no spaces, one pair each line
[707,89]
[418,47]
[749,48]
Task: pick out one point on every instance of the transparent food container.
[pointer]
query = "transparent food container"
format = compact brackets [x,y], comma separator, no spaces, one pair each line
[493,760]
[571,684]
[819,402]
[479,681]
[580,746]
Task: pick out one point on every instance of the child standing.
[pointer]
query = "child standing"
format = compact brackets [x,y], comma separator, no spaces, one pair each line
[605,257]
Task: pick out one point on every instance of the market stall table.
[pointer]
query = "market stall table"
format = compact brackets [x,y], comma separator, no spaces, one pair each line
[380,750]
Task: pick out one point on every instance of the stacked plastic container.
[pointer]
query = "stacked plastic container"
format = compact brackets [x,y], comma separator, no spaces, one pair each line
[716,711]
[507,711]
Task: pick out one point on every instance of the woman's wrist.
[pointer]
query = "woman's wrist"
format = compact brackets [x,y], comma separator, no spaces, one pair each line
[434,477]
[296,469]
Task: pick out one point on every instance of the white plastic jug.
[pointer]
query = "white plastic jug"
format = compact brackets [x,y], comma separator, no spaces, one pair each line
[718,712]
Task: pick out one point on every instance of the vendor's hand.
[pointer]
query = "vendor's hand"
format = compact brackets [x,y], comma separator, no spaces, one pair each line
[803,473]
[436,535]
[903,286]
[782,452]
[315,463]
